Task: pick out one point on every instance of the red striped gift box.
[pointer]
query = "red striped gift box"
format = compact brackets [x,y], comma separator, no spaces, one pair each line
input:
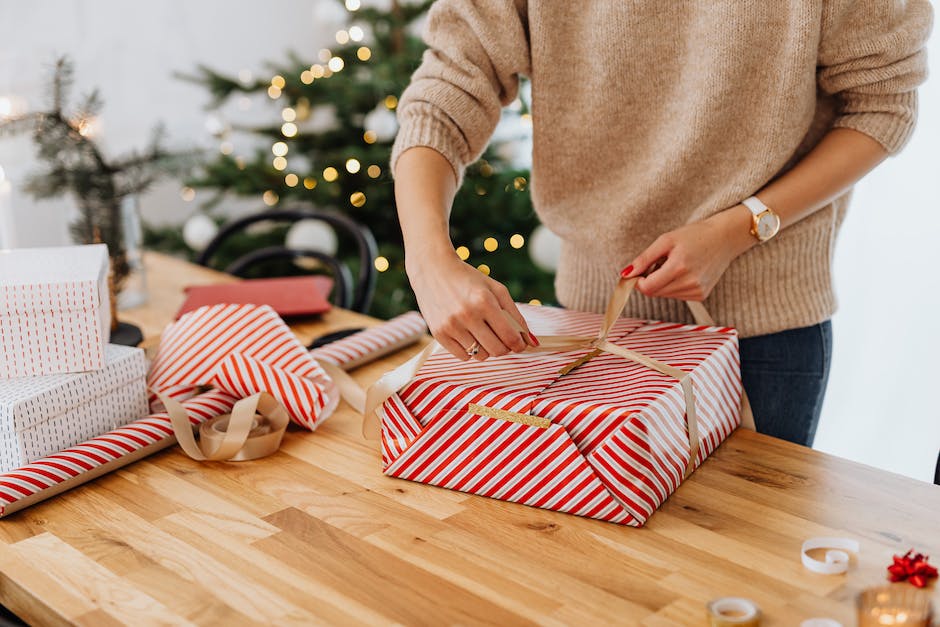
[608,440]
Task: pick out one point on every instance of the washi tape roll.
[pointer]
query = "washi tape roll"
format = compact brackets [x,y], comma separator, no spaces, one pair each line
[836,560]
[733,612]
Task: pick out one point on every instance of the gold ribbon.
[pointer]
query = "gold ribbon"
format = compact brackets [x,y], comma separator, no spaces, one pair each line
[396,379]
[254,429]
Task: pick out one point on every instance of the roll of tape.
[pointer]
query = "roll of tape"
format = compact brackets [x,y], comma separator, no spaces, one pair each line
[733,612]
[836,559]
[263,439]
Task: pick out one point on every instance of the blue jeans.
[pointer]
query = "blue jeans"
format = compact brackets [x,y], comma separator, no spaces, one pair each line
[785,376]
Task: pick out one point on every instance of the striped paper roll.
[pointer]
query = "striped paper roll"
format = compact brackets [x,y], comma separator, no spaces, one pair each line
[373,343]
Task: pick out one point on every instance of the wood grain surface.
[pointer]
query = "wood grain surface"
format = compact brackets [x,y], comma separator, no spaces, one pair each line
[315,534]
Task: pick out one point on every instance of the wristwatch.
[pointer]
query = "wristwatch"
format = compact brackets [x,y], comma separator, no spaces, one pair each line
[764,222]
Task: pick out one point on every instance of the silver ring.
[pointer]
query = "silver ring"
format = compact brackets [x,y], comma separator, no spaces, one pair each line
[474,349]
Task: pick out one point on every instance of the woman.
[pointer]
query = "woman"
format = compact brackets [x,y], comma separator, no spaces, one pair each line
[707,147]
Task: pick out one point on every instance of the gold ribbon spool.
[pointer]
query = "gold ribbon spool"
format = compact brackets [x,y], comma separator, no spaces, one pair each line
[396,379]
[252,430]
[733,612]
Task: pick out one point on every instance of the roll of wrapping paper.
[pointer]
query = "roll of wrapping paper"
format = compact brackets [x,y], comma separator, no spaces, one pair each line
[733,612]
[253,430]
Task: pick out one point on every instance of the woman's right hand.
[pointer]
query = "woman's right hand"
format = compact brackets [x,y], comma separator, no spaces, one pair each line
[462,305]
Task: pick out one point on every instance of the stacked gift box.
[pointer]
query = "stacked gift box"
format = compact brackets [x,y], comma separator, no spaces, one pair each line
[61,382]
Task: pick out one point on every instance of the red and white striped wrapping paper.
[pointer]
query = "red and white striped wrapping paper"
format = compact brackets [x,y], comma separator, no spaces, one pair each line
[372,343]
[617,445]
[239,349]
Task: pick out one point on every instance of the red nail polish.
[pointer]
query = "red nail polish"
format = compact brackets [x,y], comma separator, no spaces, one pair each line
[534,339]
[625,273]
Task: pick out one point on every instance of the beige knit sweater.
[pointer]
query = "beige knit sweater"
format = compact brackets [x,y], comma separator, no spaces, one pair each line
[648,115]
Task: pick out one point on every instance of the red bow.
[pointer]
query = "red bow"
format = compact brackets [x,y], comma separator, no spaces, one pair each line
[912,567]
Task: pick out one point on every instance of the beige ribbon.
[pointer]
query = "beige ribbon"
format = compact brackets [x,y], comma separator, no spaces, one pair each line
[254,429]
[396,379]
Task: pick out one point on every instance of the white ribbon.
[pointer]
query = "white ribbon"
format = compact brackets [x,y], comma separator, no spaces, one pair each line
[837,556]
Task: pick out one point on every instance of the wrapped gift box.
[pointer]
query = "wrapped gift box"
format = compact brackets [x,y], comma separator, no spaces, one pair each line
[43,415]
[608,439]
[55,314]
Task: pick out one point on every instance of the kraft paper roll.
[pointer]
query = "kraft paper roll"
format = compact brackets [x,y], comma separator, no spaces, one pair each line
[254,429]
[733,612]
[836,560]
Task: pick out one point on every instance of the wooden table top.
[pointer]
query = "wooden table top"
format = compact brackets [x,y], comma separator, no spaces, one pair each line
[316,534]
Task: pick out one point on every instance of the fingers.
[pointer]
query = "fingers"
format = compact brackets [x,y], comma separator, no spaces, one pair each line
[654,252]
[506,303]
[655,283]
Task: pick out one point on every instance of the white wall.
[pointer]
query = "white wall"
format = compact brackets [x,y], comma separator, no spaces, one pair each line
[882,405]
[880,408]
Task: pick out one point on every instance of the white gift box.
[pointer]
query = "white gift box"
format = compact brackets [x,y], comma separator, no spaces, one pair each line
[43,415]
[55,313]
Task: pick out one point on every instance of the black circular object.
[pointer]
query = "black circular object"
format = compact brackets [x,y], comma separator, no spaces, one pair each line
[127,335]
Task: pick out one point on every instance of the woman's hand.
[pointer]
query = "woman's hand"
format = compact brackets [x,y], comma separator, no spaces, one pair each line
[694,256]
[462,305]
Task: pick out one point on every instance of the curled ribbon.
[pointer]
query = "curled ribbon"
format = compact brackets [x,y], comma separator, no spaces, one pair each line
[252,430]
[836,560]
[396,379]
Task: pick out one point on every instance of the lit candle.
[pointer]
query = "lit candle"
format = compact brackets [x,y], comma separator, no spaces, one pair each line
[7,230]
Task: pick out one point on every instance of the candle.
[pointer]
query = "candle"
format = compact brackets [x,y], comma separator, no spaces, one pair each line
[7,225]
[893,605]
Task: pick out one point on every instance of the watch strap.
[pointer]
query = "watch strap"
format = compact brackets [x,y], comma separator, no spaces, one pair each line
[755,205]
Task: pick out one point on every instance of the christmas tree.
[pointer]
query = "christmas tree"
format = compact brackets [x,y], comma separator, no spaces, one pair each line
[329,149]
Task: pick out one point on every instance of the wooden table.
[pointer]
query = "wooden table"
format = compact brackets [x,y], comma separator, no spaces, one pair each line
[316,534]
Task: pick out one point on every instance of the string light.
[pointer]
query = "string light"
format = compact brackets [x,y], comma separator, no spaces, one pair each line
[278,81]
[86,127]
[306,77]
[364,53]
[310,183]
[490,244]
[188,194]
[517,241]
[485,269]
[352,5]
[463,252]
[226,148]
[291,180]
[381,264]
[357,199]
[330,174]
[279,163]
[317,70]
[519,183]
[336,64]
[535,301]
[288,114]
[356,33]
[342,37]
[240,163]
[353,165]
[486,169]
[526,119]
[270,198]
[369,137]
[274,92]
[279,149]
[374,171]
[324,55]
[480,190]
[391,102]
[288,129]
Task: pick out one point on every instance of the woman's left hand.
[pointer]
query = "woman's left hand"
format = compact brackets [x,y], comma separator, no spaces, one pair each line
[694,256]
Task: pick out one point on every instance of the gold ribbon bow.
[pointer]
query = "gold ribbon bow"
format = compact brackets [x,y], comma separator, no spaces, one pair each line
[253,429]
[396,379]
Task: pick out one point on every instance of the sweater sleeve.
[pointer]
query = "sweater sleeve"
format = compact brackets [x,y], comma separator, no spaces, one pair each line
[872,57]
[476,51]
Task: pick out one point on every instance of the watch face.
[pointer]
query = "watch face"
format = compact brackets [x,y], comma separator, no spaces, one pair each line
[767,225]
